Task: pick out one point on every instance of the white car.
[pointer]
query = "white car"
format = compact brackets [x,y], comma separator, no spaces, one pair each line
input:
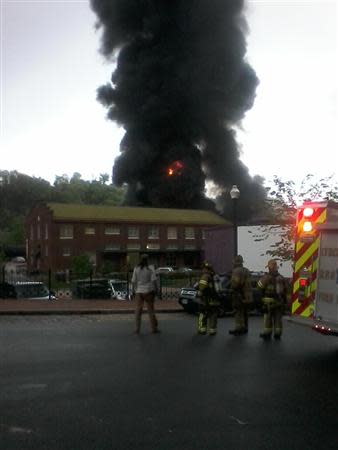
[119,290]
[32,290]
[161,270]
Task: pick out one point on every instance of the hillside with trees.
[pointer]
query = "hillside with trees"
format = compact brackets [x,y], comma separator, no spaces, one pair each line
[20,192]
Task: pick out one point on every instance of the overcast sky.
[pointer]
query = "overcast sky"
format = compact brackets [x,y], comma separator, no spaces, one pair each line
[51,123]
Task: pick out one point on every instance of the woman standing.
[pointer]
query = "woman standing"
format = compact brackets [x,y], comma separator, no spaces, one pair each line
[144,286]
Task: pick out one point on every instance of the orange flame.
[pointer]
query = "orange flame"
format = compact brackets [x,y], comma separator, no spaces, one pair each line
[175,168]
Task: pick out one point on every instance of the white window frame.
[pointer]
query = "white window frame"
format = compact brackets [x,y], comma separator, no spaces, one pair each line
[112,231]
[172,233]
[89,231]
[69,234]
[112,247]
[189,233]
[153,246]
[135,235]
[172,247]
[66,251]
[134,246]
[153,232]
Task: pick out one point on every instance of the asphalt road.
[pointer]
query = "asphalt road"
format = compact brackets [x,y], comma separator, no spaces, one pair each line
[86,382]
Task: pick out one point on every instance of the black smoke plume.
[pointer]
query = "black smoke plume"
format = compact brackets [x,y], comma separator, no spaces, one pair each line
[180,85]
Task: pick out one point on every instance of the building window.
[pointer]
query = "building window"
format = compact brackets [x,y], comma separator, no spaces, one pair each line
[190,247]
[172,247]
[112,230]
[133,233]
[153,246]
[189,233]
[153,233]
[46,231]
[46,251]
[66,251]
[38,231]
[203,233]
[112,247]
[66,232]
[172,233]
[133,246]
[171,260]
[90,230]
[32,232]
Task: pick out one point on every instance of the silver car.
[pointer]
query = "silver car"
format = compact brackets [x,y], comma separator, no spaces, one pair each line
[32,290]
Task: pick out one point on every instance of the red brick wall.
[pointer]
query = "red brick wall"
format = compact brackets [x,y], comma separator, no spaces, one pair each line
[83,243]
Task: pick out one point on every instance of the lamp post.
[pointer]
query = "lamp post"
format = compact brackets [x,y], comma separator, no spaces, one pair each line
[234,194]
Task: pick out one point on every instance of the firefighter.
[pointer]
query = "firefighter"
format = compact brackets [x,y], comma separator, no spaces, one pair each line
[273,289]
[209,302]
[241,295]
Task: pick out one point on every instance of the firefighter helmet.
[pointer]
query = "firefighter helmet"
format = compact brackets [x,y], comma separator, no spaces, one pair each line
[272,265]
[238,259]
[207,265]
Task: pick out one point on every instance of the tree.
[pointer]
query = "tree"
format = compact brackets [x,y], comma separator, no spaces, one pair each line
[281,207]
[20,192]
[81,266]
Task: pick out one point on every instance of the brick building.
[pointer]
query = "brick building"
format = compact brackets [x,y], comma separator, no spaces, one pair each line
[56,232]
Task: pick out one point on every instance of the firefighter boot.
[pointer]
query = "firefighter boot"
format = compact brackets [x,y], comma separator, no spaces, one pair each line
[237,332]
[202,323]
[265,336]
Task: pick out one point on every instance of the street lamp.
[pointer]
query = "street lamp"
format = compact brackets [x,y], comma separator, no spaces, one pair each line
[234,194]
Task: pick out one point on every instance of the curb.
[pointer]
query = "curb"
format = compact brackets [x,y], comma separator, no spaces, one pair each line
[79,312]
[298,321]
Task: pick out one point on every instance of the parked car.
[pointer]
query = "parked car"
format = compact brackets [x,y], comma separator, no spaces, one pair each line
[101,288]
[32,290]
[95,288]
[164,270]
[185,270]
[119,290]
[189,300]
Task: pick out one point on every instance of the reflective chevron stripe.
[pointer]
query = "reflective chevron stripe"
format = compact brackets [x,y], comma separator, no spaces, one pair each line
[306,257]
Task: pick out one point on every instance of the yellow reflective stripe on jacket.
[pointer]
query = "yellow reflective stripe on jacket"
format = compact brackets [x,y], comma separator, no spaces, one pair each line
[260,284]
[203,284]
[268,300]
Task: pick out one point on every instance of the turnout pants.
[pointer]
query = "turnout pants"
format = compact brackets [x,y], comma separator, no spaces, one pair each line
[240,314]
[273,319]
[149,299]
[207,318]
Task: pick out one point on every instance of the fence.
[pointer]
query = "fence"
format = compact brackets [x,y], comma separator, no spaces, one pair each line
[93,286]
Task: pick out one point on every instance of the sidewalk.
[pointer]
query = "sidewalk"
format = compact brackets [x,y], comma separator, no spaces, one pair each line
[70,306]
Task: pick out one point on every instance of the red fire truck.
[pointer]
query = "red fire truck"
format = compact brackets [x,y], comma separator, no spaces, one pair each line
[315,271]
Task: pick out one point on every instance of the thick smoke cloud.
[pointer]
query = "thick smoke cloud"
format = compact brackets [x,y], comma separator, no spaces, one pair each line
[181,83]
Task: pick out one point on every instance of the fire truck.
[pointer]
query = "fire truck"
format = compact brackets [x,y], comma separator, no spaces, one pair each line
[315,266]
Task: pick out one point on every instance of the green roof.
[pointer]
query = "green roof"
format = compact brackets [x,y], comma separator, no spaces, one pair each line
[76,212]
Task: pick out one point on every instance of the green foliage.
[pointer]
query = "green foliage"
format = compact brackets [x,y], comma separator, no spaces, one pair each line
[81,266]
[19,193]
[281,208]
